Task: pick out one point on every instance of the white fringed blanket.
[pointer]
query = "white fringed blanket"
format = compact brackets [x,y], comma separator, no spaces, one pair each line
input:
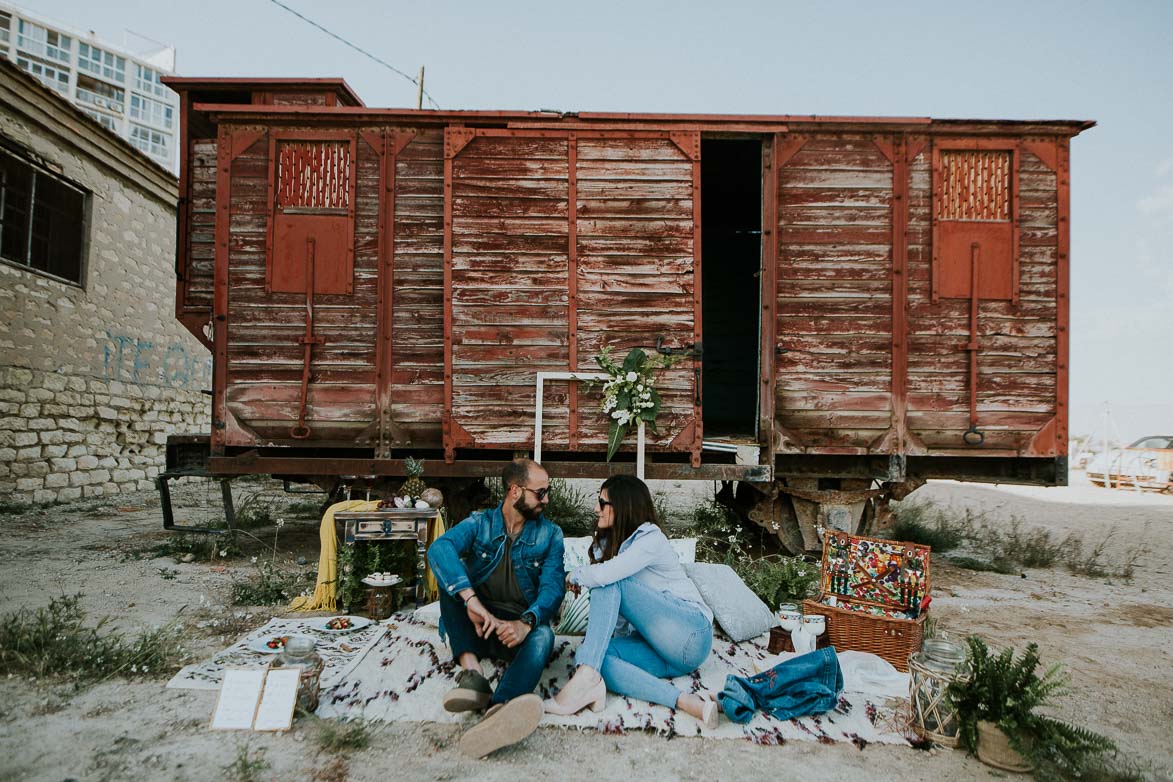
[406,673]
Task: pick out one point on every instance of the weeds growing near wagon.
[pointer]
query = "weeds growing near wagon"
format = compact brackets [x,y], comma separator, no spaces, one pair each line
[247,765]
[55,641]
[335,736]
[979,544]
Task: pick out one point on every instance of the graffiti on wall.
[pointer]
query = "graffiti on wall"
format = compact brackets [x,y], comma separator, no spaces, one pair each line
[136,360]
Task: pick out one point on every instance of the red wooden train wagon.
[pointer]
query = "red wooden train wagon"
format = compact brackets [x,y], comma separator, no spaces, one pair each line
[859,303]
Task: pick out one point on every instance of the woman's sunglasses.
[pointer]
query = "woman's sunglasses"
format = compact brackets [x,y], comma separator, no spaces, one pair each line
[604,503]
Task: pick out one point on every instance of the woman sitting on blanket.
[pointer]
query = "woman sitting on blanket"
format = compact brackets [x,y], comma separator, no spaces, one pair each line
[636,576]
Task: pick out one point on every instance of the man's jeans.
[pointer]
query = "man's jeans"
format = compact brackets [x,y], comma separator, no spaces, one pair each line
[673,638]
[809,684]
[527,660]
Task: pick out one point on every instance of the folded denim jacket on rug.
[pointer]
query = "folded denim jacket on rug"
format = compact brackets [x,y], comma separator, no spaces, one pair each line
[798,687]
[464,556]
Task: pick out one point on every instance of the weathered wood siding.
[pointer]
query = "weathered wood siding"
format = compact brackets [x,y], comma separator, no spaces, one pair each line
[201,238]
[417,336]
[834,308]
[509,277]
[636,269]
[538,288]
[1017,387]
[265,356]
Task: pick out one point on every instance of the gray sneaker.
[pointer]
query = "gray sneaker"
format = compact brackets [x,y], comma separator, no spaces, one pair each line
[472,692]
[504,724]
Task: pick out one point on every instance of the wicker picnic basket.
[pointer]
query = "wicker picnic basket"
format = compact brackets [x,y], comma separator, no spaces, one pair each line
[865,573]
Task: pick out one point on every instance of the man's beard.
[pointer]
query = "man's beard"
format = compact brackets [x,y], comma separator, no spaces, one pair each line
[528,512]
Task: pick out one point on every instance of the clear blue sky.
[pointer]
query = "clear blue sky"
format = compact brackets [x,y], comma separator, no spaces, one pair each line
[1107,61]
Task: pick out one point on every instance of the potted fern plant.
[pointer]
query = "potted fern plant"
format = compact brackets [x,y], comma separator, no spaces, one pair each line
[996,710]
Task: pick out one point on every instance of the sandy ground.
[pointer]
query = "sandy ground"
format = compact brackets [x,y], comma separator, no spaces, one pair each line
[1113,635]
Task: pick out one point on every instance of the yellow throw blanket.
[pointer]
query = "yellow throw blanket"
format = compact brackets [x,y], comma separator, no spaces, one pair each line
[325,597]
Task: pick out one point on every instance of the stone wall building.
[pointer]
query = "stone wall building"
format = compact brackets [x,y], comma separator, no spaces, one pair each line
[95,372]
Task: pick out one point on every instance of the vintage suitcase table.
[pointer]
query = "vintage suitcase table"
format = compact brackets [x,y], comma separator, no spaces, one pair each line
[391,524]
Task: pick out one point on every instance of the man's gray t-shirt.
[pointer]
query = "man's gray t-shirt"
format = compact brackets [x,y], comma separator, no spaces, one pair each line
[500,592]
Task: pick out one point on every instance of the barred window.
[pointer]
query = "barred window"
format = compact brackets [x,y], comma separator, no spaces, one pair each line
[43,221]
[975,186]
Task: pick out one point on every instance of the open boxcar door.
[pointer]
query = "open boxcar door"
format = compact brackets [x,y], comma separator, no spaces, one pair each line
[556,244]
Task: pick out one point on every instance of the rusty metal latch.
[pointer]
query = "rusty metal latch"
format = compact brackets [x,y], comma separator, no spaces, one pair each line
[972,436]
[695,350]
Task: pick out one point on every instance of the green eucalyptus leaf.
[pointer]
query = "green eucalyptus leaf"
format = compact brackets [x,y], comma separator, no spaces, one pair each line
[634,361]
[615,437]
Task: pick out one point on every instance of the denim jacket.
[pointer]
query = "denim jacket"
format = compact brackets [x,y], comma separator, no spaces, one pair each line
[464,556]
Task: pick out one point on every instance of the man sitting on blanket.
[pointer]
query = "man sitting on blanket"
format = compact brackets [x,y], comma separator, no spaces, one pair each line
[501,581]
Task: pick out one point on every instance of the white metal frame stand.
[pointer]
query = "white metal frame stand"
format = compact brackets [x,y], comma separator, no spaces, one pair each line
[572,376]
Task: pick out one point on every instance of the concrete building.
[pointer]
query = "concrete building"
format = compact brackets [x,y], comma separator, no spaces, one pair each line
[94,369]
[118,87]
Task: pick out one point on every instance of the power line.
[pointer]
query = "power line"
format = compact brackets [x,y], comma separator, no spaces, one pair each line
[337,37]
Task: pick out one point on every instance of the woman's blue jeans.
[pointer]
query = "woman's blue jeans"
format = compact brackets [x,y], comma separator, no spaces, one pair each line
[673,638]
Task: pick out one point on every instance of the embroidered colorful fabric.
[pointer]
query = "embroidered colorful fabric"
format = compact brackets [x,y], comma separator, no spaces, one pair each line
[881,573]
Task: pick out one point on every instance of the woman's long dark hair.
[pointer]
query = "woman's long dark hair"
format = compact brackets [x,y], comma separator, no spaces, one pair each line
[631,501]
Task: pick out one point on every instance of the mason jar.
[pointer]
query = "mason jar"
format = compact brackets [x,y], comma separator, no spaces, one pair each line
[299,650]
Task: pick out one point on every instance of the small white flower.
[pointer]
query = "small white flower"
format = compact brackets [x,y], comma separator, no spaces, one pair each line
[134,669]
[640,387]
[632,377]
[223,552]
[280,523]
[254,560]
[617,414]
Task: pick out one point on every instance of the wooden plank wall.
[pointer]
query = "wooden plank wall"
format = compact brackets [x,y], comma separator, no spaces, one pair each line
[1017,356]
[636,273]
[834,308]
[417,374]
[201,256]
[264,354]
[510,260]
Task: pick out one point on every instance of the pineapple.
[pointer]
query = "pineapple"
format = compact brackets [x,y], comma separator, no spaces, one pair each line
[414,486]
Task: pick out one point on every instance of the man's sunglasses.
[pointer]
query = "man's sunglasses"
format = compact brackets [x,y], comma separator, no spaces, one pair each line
[604,503]
[541,494]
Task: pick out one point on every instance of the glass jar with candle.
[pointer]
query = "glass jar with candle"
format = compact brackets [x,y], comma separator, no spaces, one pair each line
[939,663]
[299,651]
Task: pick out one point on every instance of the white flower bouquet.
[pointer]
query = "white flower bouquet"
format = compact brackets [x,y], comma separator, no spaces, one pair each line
[630,395]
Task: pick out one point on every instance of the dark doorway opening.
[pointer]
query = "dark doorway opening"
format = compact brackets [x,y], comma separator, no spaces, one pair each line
[731,252]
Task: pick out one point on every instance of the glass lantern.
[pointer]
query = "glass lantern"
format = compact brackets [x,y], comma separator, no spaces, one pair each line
[299,650]
[939,663]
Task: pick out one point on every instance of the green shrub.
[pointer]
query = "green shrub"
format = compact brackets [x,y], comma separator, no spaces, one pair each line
[54,641]
[928,526]
[246,766]
[271,586]
[335,736]
[779,579]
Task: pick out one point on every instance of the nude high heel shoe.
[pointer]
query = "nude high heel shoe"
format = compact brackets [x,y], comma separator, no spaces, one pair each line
[578,693]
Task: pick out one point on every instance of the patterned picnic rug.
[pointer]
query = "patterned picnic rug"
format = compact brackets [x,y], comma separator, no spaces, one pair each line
[407,671]
[340,652]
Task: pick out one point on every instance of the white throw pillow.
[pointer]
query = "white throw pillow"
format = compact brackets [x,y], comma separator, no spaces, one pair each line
[741,613]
